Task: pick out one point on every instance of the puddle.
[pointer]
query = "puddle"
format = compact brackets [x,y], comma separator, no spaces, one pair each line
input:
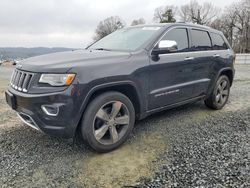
[124,166]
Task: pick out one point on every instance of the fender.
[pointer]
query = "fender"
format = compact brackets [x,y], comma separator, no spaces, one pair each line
[213,82]
[106,85]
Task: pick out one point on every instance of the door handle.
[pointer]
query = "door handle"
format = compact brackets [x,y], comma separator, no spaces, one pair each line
[189,58]
[216,55]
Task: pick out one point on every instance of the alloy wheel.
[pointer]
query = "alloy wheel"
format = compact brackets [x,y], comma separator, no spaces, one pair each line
[222,92]
[111,122]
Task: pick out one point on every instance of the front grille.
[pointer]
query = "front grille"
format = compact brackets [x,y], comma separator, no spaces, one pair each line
[20,80]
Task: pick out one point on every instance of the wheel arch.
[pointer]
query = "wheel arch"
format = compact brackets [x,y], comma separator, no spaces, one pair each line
[128,88]
[229,73]
[225,71]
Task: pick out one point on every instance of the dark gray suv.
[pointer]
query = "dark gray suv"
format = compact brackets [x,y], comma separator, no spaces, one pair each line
[126,76]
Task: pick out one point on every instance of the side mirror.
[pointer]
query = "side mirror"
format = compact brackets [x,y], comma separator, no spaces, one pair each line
[165,46]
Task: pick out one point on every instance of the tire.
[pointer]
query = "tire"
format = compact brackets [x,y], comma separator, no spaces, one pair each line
[108,121]
[219,97]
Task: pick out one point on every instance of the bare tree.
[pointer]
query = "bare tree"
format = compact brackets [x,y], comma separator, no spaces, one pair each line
[184,13]
[235,24]
[138,22]
[196,13]
[242,10]
[226,23]
[233,21]
[108,26]
[165,14]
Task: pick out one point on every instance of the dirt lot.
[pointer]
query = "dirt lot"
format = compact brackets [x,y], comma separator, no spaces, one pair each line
[190,146]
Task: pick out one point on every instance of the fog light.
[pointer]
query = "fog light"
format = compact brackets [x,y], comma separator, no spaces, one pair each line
[50,110]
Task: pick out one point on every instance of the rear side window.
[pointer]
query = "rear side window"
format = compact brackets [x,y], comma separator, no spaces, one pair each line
[179,35]
[200,40]
[218,42]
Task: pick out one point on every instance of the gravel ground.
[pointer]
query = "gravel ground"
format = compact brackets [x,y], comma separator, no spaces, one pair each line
[211,153]
[190,146]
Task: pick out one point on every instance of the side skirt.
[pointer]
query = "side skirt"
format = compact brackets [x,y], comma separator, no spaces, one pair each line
[149,112]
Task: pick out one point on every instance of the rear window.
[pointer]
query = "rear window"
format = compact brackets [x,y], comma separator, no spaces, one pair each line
[200,40]
[218,42]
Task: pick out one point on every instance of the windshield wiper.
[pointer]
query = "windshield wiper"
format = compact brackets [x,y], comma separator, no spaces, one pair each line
[104,49]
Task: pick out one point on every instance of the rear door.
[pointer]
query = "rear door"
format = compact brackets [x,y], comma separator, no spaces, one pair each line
[203,54]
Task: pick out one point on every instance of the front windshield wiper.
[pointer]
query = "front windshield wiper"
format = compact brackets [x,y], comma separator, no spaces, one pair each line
[104,49]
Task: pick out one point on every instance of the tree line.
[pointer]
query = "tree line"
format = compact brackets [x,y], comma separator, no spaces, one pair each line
[233,20]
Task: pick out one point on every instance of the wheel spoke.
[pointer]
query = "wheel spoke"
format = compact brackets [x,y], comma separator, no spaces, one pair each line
[223,85]
[123,120]
[219,88]
[99,133]
[114,134]
[222,99]
[115,109]
[225,92]
[103,115]
[217,98]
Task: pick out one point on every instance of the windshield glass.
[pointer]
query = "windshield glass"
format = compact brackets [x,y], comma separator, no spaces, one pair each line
[127,39]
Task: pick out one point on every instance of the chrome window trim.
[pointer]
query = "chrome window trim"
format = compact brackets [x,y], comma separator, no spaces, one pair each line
[210,51]
[182,27]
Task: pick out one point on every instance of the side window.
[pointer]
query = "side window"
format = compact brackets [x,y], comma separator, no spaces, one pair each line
[218,42]
[179,35]
[200,40]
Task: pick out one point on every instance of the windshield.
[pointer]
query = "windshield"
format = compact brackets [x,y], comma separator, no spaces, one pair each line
[127,39]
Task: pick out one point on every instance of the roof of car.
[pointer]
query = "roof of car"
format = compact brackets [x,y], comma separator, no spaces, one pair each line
[179,24]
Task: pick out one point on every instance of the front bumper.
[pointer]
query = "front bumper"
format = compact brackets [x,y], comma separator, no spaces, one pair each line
[64,124]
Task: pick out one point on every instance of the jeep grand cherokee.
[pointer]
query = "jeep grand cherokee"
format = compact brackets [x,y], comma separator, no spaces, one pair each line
[127,75]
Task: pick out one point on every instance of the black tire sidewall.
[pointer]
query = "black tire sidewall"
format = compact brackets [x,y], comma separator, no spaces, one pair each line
[89,115]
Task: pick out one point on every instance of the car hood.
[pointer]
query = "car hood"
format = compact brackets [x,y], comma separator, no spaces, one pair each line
[64,61]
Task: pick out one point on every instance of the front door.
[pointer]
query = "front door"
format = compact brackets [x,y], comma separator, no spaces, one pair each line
[170,75]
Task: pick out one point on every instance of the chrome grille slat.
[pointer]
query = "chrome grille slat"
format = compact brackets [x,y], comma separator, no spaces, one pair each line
[23,79]
[14,78]
[25,83]
[28,82]
[20,80]
[17,79]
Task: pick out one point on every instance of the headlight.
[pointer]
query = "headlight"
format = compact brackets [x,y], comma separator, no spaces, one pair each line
[57,79]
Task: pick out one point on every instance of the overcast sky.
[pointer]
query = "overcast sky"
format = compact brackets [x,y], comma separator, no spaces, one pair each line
[70,23]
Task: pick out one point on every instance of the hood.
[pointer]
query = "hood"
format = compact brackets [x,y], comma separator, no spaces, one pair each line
[64,61]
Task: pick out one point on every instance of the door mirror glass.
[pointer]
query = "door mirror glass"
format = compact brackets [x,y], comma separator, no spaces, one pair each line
[165,46]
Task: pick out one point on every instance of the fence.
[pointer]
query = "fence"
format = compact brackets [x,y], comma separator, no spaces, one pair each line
[243,59]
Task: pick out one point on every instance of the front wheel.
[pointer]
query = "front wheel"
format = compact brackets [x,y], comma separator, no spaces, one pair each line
[108,121]
[219,97]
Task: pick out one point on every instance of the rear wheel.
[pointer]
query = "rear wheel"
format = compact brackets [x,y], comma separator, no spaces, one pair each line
[220,94]
[107,121]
